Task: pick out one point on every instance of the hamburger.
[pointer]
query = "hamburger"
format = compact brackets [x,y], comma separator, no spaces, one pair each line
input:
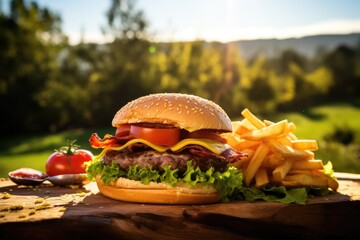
[167,149]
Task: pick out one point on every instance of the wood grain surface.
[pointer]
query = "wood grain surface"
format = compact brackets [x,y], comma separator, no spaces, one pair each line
[49,212]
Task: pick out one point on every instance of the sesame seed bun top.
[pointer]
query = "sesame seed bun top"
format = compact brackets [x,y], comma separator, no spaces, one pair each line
[185,111]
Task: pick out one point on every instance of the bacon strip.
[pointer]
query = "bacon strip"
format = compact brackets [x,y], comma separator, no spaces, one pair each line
[232,155]
[107,141]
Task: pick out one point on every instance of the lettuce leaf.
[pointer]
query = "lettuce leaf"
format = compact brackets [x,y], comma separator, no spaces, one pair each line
[276,194]
[226,182]
[169,176]
[229,184]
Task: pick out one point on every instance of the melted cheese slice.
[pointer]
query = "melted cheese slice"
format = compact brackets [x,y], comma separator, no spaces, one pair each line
[211,145]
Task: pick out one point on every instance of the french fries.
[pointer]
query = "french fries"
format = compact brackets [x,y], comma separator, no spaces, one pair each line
[255,162]
[261,178]
[301,180]
[272,131]
[305,145]
[308,164]
[257,123]
[276,155]
[281,171]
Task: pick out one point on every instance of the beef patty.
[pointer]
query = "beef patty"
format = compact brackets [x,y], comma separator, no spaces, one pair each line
[157,160]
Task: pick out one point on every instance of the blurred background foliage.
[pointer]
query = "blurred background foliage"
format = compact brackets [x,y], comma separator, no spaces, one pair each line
[50,86]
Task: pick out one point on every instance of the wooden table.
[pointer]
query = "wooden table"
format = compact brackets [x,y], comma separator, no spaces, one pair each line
[48,212]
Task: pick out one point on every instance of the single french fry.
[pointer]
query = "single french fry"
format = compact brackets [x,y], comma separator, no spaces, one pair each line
[308,164]
[289,152]
[242,130]
[291,127]
[261,178]
[271,131]
[252,118]
[285,140]
[273,160]
[255,162]
[304,180]
[292,136]
[243,144]
[245,126]
[231,138]
[305,144]
[268,123]
[280,172]
[235,125]
[332,183]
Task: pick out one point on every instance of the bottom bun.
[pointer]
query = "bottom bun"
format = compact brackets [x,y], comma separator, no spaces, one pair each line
[159,193]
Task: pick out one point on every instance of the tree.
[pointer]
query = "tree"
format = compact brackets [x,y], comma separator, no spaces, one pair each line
[93,80]
[123,75]
[125,21]
[67,98]
[30,39]
[344,64]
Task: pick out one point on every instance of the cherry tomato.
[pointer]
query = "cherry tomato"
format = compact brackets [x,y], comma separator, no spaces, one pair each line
[122,130]
[162,136]
[207,135]
[68,160]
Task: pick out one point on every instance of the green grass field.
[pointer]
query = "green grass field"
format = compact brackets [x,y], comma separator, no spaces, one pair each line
[33,151]
[315,123]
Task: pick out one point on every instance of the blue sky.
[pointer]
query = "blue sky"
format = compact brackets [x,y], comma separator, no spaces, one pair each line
[221,20]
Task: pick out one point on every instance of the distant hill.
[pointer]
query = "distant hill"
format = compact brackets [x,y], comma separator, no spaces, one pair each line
[307,46]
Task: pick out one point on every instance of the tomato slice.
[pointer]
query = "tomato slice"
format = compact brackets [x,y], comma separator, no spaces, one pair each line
[122,130]
[161,136]
[207,135]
